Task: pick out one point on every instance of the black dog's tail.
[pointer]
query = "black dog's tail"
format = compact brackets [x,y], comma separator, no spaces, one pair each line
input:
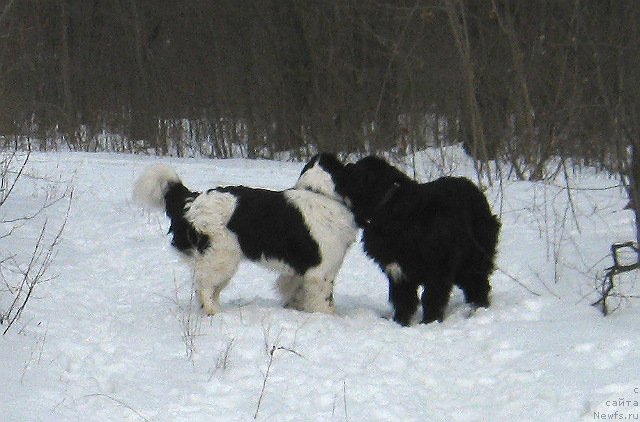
[486,226]
[487,233]
[160,187]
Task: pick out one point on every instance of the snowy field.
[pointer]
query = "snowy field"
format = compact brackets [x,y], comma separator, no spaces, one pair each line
[116,335]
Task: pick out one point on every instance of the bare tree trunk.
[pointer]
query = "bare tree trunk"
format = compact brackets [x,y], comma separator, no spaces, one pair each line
[65,70]
[634,187]
[5,11]
[529,146]
[460,30]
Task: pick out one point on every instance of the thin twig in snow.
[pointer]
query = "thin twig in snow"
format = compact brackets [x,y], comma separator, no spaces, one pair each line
[272,352]
[119,402]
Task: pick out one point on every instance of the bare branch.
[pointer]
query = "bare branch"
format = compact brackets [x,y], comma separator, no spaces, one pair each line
[35,271]
[5,172]
[271,352]
[608,287]
[120,403]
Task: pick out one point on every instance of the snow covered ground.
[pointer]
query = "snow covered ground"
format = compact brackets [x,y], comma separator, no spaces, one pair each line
[116,334]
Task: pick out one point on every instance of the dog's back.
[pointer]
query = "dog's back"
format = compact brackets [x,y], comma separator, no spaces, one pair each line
[459,196]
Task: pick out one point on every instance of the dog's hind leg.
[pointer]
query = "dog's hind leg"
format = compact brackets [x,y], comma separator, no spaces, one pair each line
[210,296]
[476,290]
[291,291]
[212,273]
[473,278]
[435,298]
[318,294]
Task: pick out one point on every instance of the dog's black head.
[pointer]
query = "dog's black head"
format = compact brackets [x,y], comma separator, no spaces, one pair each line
[322,174]
[368,185]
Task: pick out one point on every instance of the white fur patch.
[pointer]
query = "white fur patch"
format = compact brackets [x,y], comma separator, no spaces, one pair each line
[318,180]
[331,224]
[150,188]
[210,212]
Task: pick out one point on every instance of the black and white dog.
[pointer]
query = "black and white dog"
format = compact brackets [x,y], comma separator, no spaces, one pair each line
[434,235]
[300,234]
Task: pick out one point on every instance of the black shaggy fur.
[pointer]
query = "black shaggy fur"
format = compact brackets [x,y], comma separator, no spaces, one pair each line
[435,235]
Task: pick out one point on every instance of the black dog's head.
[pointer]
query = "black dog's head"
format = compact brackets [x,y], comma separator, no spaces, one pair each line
[365,186]
[368,185]
[323,174]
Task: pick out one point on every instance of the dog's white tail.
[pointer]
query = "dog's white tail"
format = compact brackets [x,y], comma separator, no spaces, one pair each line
[152,185]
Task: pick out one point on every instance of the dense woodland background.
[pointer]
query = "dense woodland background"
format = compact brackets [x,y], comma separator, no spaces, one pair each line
[533,87]
[517,80]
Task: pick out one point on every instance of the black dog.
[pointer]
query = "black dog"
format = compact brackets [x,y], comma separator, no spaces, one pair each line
[433,235]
